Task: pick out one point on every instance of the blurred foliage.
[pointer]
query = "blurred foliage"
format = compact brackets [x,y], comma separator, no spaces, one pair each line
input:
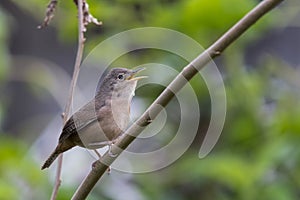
[4,60]
[257,156]
[202,20]
[3,47]
[19,174]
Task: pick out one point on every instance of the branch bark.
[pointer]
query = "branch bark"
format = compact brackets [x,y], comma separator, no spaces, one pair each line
[187,73]
[65,114]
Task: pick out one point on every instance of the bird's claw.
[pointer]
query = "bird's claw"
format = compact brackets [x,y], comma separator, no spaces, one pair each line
[149,121]
[94,164]
[109,170]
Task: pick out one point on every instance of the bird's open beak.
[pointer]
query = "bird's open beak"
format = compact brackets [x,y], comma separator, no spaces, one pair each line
[135,72]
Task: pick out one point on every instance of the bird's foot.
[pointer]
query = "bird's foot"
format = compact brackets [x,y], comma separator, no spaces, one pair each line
[110,153]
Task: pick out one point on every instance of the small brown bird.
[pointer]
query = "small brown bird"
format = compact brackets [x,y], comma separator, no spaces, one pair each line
[104,118]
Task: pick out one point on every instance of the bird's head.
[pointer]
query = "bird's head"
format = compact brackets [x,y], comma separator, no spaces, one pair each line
[121,82]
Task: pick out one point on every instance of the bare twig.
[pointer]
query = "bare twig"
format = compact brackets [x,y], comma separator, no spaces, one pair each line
[87,16]
[57,178]
[187,73]
[66,112]
[49,14]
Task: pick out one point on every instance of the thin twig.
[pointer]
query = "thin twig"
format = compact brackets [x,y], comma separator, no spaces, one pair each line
[49,14]
[66,112]
[187,73]
[57,178]
[87,16]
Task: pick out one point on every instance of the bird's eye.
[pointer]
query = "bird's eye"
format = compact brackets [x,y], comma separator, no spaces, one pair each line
[120,76]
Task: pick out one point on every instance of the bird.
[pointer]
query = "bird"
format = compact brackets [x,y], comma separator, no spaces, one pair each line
[104,118]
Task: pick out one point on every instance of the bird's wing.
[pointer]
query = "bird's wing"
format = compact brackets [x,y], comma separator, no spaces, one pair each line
[79,120]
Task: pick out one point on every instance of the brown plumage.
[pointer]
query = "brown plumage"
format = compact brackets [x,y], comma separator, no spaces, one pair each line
[101,120]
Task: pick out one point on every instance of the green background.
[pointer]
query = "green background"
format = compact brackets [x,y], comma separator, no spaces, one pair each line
[257,155]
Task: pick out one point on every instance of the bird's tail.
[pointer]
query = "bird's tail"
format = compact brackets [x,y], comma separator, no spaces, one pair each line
[51,159]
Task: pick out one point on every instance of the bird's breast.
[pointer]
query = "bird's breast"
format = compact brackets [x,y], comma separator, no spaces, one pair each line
[120,112]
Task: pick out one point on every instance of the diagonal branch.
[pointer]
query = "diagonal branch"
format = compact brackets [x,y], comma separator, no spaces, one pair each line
[66,112]
[187,73]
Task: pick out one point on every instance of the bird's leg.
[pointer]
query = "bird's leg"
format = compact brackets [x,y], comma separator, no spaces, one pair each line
[97,153]
[109,143]
[110,153]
